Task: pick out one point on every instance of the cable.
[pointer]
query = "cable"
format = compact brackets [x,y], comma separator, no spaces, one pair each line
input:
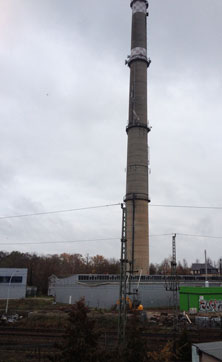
[200,236]
[189,206]
[153,236]
[108,205]
[69,241]
[191,235]
[58,211]
[58,242]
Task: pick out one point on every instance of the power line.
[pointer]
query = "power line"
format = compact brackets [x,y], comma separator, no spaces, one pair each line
[188,206]
[200,236]
[103,206]
[58,211]
[58,242]
[190,235]
[153,236]
[69,241]
[104,239]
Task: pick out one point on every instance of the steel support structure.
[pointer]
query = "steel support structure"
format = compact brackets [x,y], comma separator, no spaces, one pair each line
[174,287]
[172,282]
[126,272]
[123,279]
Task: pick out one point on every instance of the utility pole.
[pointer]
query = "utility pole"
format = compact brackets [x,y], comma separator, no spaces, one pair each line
[123,279]
[126,274]
[9,284]
[172,282]
[174,287]
[205,257]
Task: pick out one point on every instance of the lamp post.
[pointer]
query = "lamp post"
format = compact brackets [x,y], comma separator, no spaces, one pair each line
[9,284]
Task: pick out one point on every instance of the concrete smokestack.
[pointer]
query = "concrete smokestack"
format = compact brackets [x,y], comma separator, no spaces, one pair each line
[137,197]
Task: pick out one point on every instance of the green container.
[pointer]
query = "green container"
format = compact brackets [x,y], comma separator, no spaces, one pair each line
[202,298]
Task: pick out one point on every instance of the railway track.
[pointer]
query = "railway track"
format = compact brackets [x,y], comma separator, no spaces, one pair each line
[60,332]
[25,344]
[30,342]
[30,332]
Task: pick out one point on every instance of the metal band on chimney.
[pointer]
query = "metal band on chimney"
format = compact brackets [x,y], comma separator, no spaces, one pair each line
[145,2]
[139,125]
[138,53]
[136,196]
[139,7]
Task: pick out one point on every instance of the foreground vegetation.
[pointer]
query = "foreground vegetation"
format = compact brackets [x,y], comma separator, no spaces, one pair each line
[58,332]
[82,342]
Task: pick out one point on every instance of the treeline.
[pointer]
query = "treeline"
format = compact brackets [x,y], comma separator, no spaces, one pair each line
[182,267]
[41,267]
[165,267]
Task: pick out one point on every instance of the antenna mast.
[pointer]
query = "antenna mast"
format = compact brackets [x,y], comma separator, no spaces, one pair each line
[174,283]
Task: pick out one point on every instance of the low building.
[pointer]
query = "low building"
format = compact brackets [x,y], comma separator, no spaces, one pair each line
[207,352]
[13,282]
[102,290]
[200,269]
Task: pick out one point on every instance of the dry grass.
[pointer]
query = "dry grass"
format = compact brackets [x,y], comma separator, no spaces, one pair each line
[29,304]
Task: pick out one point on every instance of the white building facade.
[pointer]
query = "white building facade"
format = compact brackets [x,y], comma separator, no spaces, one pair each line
[13,283]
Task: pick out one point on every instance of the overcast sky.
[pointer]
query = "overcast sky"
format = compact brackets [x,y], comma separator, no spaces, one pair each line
[63,112]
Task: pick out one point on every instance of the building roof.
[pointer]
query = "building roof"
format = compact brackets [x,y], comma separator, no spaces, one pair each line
[198,266]
[213,349]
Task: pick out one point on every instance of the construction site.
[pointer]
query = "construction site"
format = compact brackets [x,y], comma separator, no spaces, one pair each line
[36,327]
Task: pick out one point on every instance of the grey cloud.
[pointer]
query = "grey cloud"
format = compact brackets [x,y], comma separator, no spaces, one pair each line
[63,110]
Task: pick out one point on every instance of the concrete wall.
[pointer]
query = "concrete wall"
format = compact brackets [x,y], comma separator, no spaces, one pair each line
[105,294]
[13,290]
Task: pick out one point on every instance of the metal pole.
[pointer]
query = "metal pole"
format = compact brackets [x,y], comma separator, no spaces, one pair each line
[174,287]
[133,237]
[6,307]
[205,253]
[123,280]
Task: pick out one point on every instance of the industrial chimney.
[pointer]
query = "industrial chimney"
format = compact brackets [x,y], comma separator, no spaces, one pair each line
[137,197]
